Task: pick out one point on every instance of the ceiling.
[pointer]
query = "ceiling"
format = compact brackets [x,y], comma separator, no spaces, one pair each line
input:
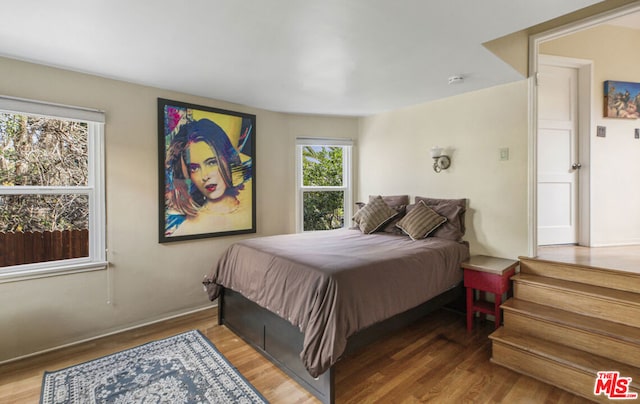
[337,57]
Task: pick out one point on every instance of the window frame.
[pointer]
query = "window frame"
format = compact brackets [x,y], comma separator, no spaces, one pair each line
[347,174]
[95,190]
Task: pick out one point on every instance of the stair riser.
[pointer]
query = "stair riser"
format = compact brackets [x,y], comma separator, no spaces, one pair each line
[615,349]
[573,380]
[576,302]
[591,276]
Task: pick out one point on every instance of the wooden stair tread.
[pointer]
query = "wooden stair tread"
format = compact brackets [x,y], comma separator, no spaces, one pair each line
[598,292]
[567,356]
[591,267]
[620,279]
[574,320]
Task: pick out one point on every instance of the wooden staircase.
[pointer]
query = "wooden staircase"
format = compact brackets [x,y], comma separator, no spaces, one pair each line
[566,322]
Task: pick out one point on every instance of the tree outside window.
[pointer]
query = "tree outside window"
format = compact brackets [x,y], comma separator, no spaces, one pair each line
[42,152]
[324,186]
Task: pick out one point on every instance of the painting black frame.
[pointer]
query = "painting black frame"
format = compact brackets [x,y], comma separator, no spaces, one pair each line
[172,115]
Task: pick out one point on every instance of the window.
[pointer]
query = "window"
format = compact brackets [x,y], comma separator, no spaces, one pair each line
[52,215]
[324,183]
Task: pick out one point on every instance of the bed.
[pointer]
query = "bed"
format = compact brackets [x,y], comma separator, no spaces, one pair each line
[305,300]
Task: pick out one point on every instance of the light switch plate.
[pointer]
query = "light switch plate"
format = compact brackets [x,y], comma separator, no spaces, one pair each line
[602,131]
[504,153]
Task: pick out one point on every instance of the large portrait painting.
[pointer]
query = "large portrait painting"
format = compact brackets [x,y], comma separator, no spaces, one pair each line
[207,171]
[621,99]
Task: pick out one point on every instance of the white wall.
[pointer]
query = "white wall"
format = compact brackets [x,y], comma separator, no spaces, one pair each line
[615,159]
[146,281]
[394,147]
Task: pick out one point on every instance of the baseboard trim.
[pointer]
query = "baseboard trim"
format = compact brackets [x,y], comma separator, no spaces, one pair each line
[118,331]
[627,243]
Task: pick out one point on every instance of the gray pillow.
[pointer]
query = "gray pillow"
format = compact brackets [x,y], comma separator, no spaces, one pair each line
[399,204]
[420,221]
[374,215]
[393,201]
[454,210]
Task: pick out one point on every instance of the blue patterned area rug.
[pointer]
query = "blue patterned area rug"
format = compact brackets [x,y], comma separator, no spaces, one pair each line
[185,368]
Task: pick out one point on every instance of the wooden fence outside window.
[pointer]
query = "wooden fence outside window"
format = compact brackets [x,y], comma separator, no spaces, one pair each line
[18,248]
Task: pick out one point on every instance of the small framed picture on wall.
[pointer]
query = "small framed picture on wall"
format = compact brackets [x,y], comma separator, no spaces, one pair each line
[621,99]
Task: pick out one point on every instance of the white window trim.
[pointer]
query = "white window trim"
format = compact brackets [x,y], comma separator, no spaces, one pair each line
[346,180]
[95,191]
[24,106]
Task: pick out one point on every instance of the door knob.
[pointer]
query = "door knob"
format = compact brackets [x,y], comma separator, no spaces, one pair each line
[576,166]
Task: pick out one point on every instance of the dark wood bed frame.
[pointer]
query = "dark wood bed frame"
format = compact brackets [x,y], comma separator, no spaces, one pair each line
[281,342]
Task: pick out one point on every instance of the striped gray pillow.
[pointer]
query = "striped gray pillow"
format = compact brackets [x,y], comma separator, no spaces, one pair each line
[373,215]
[420,221]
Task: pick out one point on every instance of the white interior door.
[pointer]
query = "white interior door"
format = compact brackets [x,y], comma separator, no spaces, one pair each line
[558,163]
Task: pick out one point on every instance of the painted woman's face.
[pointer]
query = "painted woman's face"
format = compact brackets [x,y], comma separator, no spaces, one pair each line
[204,170]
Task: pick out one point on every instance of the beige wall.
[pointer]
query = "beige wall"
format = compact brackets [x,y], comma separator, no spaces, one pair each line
[394,148]
[146,281]
[614,164]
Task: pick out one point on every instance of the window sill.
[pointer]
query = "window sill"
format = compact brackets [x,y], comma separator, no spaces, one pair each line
[20,273]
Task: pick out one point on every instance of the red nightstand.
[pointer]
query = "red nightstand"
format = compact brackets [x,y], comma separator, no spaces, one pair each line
[487,274]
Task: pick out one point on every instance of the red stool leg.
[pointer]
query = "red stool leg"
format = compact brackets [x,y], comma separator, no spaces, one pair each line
[469,309]
[497,315]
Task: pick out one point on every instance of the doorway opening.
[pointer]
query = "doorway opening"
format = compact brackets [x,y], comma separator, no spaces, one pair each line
[591,200]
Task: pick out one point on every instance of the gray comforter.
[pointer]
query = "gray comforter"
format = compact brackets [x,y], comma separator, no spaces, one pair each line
[332,284]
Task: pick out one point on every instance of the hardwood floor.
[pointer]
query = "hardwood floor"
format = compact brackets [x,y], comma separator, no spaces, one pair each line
[434,360]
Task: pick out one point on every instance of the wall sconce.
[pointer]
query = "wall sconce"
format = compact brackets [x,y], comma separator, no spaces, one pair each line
[440,161]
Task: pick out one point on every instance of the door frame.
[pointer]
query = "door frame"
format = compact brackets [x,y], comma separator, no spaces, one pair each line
[534,45]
